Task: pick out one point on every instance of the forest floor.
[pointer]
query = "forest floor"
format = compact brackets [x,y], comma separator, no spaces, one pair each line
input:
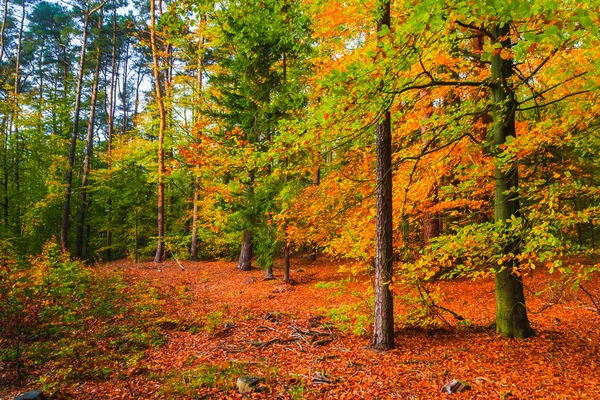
[218,323]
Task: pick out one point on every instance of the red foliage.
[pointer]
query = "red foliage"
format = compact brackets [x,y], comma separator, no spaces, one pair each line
[270,337]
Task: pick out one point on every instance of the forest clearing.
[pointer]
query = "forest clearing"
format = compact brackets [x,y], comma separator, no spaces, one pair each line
[213,323]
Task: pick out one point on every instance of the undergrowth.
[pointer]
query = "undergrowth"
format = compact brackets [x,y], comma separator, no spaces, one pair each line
[64,321]
[356,317]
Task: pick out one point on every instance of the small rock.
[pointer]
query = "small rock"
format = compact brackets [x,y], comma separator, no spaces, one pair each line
[455,386]
[35,395]
[228,325]
[247,384]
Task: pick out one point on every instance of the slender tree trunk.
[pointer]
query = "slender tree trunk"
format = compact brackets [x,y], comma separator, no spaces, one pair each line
[5,170]
[196,196]
[64,231]
[139,79]
[383,329]
[161,135]
[432,226]
[481,130]
[40,111]
[88,151]
[16,119]
[111,130]
[511,313]
[286,262]
[3,29]
[124,90]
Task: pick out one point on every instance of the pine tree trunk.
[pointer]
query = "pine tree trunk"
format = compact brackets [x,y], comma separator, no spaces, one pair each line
[111,130]
[161,136]
[511,313]
[64,228]
[194,247]
[3,29]
[88,151]
[383,329]
[196,111]
[17,121]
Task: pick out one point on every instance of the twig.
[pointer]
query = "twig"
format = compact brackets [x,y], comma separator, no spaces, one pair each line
[175,258]
[591,298]
[431,304]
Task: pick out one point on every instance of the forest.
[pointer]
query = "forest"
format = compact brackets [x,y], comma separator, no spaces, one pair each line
[321,199]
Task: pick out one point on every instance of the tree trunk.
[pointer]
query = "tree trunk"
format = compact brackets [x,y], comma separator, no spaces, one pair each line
[431,221]
[286,262]
[124,90]
[3,29]
[245,260]
[111,131]
[64,228]
[246,252]
[196,198]
[88,151]
[161,136]
[383,329]
[16,121]
[481,131]
[511,313]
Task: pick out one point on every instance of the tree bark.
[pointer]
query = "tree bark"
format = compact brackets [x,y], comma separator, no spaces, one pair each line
[64,228]
[246,250]
[88,150]
[286,262]
[432,226]
[511,313]
[161,135]
[481,131]
[196,198]
[111,131]
[17,121]
[245,260]
[383,329]
[3,29]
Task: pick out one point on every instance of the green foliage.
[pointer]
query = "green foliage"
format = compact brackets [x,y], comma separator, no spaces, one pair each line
[213,322]
[189,383]
[419,311]
[356,317]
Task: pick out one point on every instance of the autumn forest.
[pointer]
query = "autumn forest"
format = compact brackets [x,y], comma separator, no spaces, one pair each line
[299,199]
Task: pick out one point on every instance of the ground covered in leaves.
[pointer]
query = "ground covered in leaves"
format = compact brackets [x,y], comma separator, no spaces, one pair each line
[212,323]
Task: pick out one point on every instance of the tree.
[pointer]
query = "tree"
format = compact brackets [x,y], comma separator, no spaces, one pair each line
[89,144]
[158,91]
[511,313]
[89,11]
[383,330]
